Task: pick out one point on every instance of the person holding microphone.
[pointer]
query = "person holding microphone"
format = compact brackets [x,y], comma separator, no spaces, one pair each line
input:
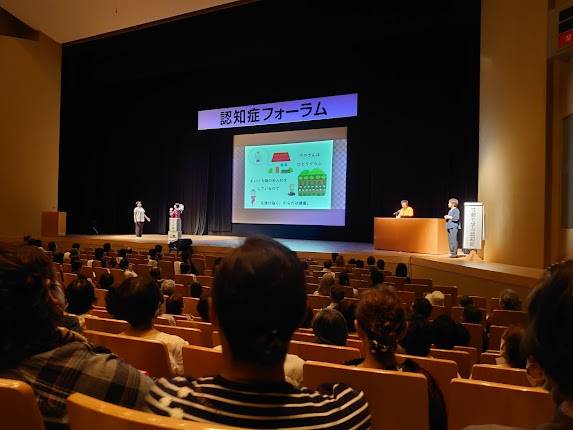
[453,226]
[406,211]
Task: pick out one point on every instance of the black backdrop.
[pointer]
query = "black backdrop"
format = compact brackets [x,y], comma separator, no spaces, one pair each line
[130,102]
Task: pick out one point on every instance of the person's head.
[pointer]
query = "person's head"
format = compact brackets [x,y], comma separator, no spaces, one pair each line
[377,277]
[446,333]
[259,299]
[30,296]
[436,298]
[472,315]
[381,324]
[76,246]
[158,249]
[404,203]
[106,247]
[337,293]
[466,301]
[196,289]
[137,301]
[453,203]
[98,254]
[348,311]
[548,336]
[105,281]
[329,327]
[174,304]
[111,263]
[422,307]
[326,283]
[509,300]
[343,279]
[185,268]
[370,260]
[359,264]
[352,261]
[511,347]
[401,270]
[58,257]
[185,256]
[152,253]
[333,257]
[80,296]
[138,204]
[380,264]
[203,307]
[122,253]
[168,287]
[340,261]
[155,273]
[123,264]
[76,266]
[327,264]
[418,338]
[52,246]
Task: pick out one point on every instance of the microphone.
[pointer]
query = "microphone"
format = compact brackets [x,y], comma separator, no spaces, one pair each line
[396,213]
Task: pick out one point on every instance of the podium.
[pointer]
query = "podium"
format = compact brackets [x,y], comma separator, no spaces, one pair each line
[53,224]
[174,232]
[419,235]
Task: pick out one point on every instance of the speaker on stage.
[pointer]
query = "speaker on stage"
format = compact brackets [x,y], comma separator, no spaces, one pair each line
[181,244]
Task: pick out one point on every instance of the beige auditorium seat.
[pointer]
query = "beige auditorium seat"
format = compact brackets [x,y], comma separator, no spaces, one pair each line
[507,318]
[462,358]
[495,334]
[18,406]
[489,357]
[443,371]
[325,353]
[199,361]
[87,413]
[385,391]
[107,325]
[143,354]
[478,402]
[191,335]
[503,375]
[205,327]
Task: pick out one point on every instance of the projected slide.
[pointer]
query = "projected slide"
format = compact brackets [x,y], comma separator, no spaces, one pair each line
[289,176]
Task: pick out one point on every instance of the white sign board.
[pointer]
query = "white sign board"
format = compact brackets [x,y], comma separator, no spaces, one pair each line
[473,225]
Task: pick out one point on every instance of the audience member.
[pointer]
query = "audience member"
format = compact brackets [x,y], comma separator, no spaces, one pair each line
[436,298]
[377,278]
[340,261]
[352,261]
[380,264]
[402,272]
[344,279]
[158,252]
[473,315]
[381,324]
[326,266]
[418,338]
[261,279]
[370,260]
[137,300]
[422,307]
[512,354]
[76,266]
[168,287]
[325,284]
[52,247]
[80,298]
[446,333]
[58,257]
[509,300]
[105,281]
[203,307]
[359,264]
[195,289]
[54,361]
[330,328]
[155,274]
[465,301]
[123,264]
[106,248]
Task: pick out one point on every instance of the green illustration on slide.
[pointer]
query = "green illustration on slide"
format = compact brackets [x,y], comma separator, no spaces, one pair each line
[312,183]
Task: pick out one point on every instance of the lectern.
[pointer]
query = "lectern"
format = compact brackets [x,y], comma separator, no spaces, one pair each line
[53,224]
[420,235]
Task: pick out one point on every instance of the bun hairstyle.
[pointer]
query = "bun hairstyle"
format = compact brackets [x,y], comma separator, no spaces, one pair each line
[260,299]
[380,315]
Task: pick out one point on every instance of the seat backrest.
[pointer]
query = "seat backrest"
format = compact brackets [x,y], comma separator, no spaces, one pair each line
[473,352]
[100,294]
[191,335]
[458,314]
[88,272]
[443,371]
[462,358]
[199,361]
[167,271]
[406,296]
[190,306]
[480,302]
[317,302]
[143,354]
[476,335]
[87,413]
[69,277]
[18,406]
[326,353]
[101,313]
[310,337]
[423,281]
[503,375]
[438,311]
[184,279]
[205,280]
[419,290]
[385,391]
[118,276]
[359,283]
[489,357]
[199,263]
[107,325]
[98,271]
[205,327]
[142,269]
[507,318]
[495,334]
[478,402]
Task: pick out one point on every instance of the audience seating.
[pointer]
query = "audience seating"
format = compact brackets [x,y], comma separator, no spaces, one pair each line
[489,357]
[473,352]
[190,306]
[503,375]
[199,263]
[419,290]
[447,289]
[317,302]
[148,355]
[458,314]
[185,279]
[107,325]
[396,280]
[18,406]
[385,390]
[167,271]
[98,271]
[100,294]
[406,296]
[462,358]
[101,313]
[507,318]
[142,269]
[422,281]
[199,361]
[476,333]
[480,302]
[438,311]
[205,327]
[88,272]
[478,402]
[495,334]
[310,337]
[87,413]
[205,280]
[118,276]
[69,277]
[66,267]
[191,335]
[359,283]
[326,353]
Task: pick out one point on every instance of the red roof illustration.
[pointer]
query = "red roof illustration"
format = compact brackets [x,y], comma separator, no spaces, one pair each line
[280,156]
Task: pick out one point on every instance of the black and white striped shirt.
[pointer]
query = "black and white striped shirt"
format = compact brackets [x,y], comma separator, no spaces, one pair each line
[258,406]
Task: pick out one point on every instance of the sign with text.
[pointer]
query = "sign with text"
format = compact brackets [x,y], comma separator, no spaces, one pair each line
[342,106]
[473,225]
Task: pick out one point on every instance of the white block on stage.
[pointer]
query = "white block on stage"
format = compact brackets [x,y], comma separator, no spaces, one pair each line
[172,236]
[174,224]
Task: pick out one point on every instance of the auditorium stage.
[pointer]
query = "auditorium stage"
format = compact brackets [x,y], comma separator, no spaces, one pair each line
[471,277]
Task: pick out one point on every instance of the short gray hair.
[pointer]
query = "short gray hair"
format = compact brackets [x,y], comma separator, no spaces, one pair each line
[454,201]
[404,201]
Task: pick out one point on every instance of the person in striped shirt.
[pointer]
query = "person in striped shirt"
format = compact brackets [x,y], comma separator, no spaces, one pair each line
[258,301]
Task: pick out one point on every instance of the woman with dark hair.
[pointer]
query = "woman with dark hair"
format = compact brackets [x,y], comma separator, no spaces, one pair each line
[106,248]
[380,264]
[54,361]
[105,281]
[402,271]
[138,300]
[123,264]
[80,298]
[52,247]
[98,256]
[258,300]
[381,325]
[195,289]
[330,328]
[446,333]
[512,354]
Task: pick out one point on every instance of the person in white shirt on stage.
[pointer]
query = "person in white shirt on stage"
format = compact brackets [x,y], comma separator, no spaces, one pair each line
[406,211]
[139,218]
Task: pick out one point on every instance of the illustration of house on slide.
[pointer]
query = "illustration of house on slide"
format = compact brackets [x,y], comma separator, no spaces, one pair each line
[282,159]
